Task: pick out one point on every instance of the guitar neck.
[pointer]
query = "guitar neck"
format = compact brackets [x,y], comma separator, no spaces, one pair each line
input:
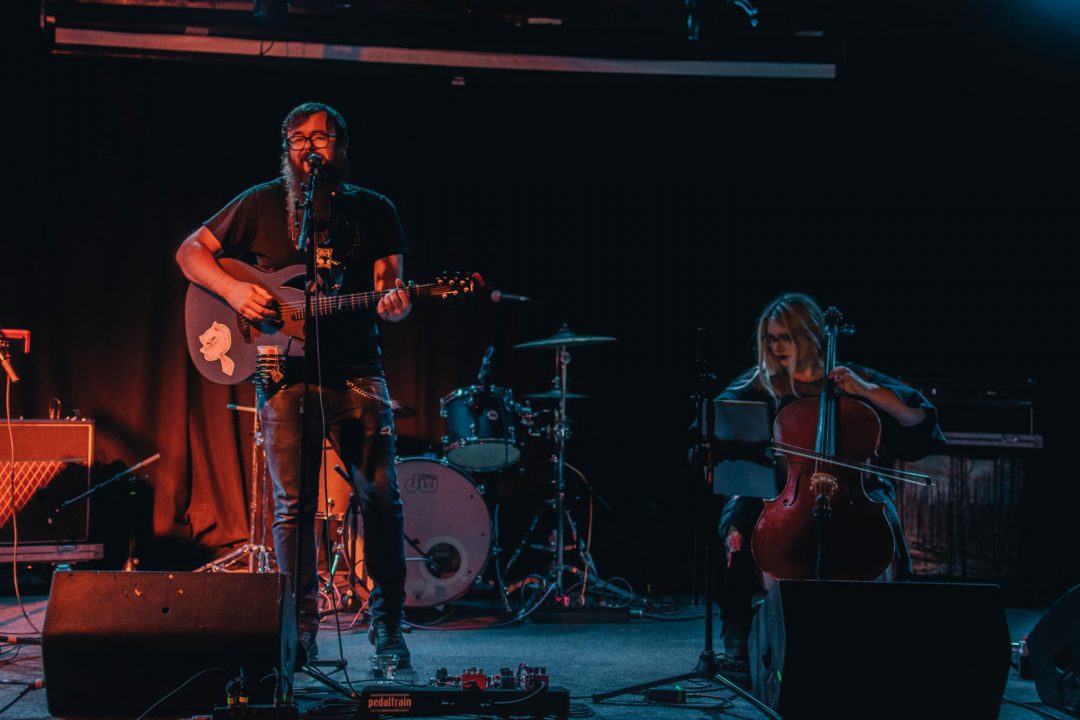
[349,302]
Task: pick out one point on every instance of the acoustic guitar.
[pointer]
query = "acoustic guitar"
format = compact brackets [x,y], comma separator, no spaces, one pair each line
[224,344]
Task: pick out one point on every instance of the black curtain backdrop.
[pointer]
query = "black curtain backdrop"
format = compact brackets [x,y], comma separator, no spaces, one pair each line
[930,193]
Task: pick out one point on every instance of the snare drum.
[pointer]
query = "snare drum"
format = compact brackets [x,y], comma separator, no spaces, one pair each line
[481,423]
[449,523]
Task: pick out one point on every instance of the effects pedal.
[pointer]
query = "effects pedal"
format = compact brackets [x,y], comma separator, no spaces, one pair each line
[666,694]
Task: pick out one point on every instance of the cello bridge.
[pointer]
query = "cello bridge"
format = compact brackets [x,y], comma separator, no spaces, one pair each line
[823,484]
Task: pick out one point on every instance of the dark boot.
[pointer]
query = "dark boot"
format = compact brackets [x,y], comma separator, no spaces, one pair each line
[389,639]
[307,650]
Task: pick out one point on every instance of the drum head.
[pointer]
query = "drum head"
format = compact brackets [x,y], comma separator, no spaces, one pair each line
[481,423]
[447,518]
[484,455]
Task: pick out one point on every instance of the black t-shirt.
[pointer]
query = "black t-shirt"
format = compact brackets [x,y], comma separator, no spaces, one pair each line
[363,227]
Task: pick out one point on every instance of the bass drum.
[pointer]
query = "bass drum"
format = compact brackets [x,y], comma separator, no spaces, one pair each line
[447,520]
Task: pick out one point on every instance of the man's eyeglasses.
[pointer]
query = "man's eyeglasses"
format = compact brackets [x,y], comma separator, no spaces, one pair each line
[318,141]
[771,340]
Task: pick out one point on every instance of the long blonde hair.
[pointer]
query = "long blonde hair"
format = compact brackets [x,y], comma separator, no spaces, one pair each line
[802,317]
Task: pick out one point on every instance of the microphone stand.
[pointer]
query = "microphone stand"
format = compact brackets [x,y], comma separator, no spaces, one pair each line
[306,243]
[708,666]
[118,476]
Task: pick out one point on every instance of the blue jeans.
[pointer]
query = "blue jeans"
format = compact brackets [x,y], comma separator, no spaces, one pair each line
[360,427]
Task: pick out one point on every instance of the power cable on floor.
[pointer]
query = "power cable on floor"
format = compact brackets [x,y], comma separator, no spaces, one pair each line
[30,687]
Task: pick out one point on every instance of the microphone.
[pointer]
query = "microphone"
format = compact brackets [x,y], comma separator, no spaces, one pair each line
[485,365]
[315,161]
[500,296]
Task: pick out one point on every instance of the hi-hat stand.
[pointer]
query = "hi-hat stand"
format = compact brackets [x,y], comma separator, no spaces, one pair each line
[255,550]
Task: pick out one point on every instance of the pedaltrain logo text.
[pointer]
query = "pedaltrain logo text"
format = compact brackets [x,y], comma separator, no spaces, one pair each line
[390,702]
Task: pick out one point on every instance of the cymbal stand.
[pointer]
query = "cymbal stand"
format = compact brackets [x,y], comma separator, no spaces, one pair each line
[256,552]
[593,575]
[561,432]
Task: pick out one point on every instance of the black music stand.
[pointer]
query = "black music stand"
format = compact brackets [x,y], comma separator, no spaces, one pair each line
[742,438]
[704,452]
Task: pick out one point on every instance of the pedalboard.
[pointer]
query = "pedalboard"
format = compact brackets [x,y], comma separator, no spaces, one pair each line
[432,701]
[524,693]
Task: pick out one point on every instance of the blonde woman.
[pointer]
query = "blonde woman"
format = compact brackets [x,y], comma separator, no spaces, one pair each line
[790,345]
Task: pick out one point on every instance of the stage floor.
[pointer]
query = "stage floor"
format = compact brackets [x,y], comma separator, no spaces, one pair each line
[586,658]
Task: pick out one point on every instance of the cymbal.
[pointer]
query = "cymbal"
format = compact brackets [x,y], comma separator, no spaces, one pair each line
[401,410]
[563,337]
[554,395]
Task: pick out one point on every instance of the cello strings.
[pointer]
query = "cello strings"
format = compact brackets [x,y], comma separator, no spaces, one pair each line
[915,479]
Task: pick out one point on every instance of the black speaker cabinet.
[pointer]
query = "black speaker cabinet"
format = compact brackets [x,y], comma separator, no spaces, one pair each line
[821,648]
[115,643]
[1054,650]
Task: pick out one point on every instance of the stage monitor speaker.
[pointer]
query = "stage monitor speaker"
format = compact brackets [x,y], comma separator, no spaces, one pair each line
[115,643]
[1054,650]
[52,463]
[822,648]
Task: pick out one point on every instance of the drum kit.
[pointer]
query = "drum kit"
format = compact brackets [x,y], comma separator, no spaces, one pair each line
[450,535]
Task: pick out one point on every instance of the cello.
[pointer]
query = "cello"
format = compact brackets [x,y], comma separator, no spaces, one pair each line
[823,525]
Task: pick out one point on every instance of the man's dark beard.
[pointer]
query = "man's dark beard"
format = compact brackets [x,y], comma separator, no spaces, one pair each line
[333,174]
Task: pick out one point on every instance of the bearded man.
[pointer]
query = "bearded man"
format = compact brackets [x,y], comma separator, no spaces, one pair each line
[359,244]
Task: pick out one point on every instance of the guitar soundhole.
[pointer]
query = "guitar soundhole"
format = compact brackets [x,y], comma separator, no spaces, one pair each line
[269,326]
[263,327]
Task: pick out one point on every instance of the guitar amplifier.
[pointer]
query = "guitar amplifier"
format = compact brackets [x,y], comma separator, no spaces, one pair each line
[52,463]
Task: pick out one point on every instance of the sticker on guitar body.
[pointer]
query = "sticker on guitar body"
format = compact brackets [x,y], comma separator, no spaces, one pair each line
[216,341]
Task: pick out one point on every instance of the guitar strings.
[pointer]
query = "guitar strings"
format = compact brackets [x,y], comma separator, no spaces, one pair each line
[329,303]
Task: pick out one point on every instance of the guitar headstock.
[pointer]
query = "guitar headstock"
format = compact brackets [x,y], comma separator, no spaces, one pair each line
[454,285]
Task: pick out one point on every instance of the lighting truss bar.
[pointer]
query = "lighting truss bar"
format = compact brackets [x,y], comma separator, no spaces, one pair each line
[197,41]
